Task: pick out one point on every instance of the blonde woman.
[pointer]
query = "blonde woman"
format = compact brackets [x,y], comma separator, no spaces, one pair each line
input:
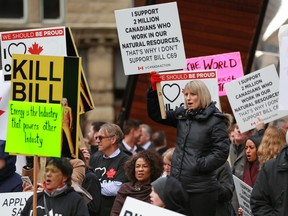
[273,141]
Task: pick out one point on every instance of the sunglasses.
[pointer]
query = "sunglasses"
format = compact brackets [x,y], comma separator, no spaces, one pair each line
[100,138]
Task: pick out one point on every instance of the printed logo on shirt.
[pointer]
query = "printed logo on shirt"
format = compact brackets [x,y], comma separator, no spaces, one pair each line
[111,173]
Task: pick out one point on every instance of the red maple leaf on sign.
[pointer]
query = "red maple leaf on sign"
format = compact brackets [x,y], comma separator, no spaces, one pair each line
[1,111]
[35,49]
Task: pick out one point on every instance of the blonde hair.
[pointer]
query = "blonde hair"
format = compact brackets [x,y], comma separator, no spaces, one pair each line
[168,154]
[272,142]
[199,88]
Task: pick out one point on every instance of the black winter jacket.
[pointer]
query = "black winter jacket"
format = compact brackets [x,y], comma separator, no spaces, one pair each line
[202,144]
[270,192]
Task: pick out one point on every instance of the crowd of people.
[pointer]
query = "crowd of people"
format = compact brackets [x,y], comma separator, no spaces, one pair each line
[193,177]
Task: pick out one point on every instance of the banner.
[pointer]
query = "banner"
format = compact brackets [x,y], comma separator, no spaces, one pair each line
[255,96]
[228,66]
[4,99]
[53,80]
[38,127]
[134,206]
[150,38]
[12,203]
[173,83]
[243,192]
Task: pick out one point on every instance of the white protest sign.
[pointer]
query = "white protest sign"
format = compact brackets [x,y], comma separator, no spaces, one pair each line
[150,38]
[173,83]
[243,192]
[4,99]
[255,96]
[283,51]
[44,41]
[13,203]
[133,207]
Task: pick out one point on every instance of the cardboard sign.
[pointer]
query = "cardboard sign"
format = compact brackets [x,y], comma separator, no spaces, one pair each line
[173,83]
[150,38]
[133,207]
[283,51]
[13,203]
[45,41]
[4,99]
[228,66]
[53,80]
[38,127]
[243,192]
[255,96]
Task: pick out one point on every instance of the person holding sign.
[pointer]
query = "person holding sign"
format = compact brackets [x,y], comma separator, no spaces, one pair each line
[202,143]
[58,197]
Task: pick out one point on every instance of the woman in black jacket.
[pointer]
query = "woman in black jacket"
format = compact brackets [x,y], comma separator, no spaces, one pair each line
[202,143]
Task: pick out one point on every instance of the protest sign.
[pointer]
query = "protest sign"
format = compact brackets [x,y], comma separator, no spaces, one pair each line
[150,38]
[172,84]
[4,99]
[12,203]
[243,192]
[38,127]
[54,41]
[45,41]
[255,96]
[228,66]
[54,80]
[283,51]
[134,206]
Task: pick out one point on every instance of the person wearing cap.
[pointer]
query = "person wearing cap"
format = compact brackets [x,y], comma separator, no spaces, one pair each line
[168,192]
[10,181]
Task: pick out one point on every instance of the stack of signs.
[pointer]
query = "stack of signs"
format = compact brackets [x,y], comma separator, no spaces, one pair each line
[150,38]
[172,84]
[40,83]
[255,96]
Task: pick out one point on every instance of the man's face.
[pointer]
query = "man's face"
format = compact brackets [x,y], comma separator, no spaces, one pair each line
[239,137]
[137,134]
[104,142]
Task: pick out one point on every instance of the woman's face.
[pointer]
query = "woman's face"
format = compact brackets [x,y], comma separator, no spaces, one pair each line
[53,177]
[167,166]
[250,150]
[155,199]
[142,170]
[192,100]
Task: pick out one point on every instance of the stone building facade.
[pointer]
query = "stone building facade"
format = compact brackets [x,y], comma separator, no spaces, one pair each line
[94,30]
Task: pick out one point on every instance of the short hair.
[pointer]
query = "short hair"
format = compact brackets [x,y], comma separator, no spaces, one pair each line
[96,125]
[129,124]
[168,154]
[159,138]
[147,129]
[199,88]
[152,158]
[64,165]
[113,130]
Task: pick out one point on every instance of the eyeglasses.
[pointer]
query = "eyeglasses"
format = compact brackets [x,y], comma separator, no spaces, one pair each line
[101,137]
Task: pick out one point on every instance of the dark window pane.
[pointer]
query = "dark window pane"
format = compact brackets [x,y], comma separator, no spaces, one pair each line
[11,9]
[51,9]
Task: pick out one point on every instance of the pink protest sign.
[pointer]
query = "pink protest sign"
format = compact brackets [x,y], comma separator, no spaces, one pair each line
[228,66]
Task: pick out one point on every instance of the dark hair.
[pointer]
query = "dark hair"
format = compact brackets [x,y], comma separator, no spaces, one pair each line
[152,158]
[96,125]
[64,165]
[129,124]
[159,138]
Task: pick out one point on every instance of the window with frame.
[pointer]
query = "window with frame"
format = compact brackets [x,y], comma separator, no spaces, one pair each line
[13,11]
[52,11]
